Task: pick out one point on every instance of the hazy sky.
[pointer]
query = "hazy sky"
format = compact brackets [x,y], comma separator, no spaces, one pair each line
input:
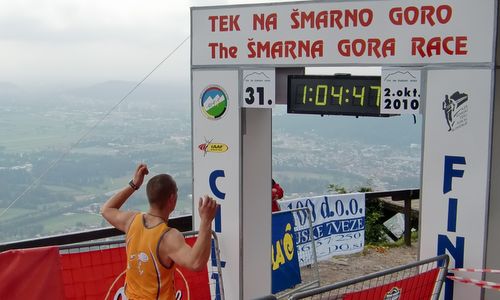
[74,42]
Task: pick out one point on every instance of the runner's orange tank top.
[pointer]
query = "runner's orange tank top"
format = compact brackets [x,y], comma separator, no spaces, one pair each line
[146,277]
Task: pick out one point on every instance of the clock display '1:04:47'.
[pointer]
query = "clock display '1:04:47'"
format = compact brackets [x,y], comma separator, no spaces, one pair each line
[324,93]
[338,94]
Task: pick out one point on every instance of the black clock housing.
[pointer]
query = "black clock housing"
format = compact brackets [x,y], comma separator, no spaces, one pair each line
[334,95]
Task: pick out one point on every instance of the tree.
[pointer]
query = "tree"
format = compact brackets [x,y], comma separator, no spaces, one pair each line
[374,233]
[337,188]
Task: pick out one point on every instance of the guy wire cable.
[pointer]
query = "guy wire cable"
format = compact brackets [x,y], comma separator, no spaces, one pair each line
[63,155]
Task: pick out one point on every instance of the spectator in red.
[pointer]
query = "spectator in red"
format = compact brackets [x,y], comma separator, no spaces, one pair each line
[277,193]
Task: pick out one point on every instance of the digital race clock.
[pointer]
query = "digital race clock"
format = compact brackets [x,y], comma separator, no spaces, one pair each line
[334,95]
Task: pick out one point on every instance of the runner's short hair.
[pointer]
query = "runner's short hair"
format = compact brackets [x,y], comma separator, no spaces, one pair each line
[159,189]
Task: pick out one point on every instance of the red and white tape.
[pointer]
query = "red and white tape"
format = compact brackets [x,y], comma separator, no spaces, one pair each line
[480,283]
[475,270]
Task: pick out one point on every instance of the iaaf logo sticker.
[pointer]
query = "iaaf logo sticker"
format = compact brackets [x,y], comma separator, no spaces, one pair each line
[213,102]
[210,146]
[455,109]
[393,294]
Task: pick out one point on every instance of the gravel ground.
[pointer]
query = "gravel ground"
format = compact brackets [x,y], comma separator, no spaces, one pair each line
[372,259]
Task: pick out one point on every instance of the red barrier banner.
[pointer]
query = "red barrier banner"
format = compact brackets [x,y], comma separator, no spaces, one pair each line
[412,288]
[100,274]
[31,274]
[43,273]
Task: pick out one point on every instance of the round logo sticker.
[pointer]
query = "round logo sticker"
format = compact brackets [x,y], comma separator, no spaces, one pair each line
[213,102]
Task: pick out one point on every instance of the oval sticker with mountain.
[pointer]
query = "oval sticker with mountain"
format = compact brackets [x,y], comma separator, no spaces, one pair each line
[213,102]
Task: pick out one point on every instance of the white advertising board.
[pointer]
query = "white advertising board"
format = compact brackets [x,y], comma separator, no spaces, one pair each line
[338,225]
[400,90]
[259,88]
[216,163]
[455,169]
[347,32]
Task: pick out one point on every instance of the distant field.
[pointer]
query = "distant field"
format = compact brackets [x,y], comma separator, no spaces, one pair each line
[301,174]
[31,142]
[62,189]
[321,180]
[160,137]
[30,132]
[14,213]
[60,223]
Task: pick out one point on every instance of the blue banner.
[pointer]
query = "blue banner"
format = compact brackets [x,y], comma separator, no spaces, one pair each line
[285,263]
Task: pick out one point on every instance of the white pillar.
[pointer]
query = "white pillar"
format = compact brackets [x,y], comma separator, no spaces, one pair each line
[256,181]
[232,163]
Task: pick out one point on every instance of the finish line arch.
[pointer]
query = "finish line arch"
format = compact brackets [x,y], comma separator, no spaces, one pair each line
[451,42]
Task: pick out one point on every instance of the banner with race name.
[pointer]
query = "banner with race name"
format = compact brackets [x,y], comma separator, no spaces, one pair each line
[338,225]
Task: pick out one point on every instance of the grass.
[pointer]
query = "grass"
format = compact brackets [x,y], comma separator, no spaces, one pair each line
[398,243]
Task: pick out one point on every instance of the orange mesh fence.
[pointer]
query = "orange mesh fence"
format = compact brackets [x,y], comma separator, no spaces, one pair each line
[416,281]
[93,273]
[97,271]
[412,288]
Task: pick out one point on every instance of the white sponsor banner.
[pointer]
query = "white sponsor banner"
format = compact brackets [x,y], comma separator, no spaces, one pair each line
[455,169]
[338,224]
[400,91]
[259,88]
[216,164]
[344,32]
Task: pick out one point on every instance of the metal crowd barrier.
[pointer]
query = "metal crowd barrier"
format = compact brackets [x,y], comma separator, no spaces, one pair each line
[217,290]
[270,297]
[380,282]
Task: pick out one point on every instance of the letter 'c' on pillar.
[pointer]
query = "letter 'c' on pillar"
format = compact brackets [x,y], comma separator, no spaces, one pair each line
[213,183]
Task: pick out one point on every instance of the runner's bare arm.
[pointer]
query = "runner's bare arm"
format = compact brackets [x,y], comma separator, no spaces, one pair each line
[174,246]
[110,210]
